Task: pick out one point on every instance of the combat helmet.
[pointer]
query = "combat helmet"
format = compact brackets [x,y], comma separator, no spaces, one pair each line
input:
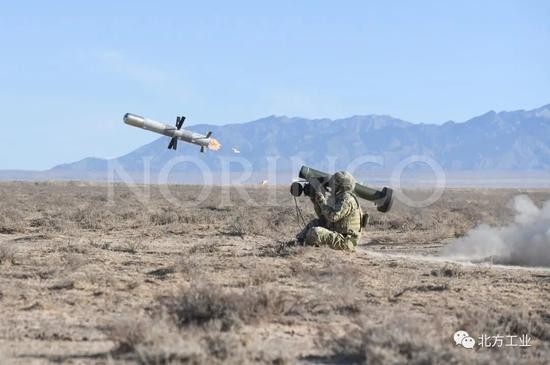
[342,181]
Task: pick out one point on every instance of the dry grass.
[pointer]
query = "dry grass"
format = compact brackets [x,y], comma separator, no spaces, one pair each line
[89,275]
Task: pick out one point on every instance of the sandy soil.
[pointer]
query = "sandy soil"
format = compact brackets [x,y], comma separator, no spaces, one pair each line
[91,274]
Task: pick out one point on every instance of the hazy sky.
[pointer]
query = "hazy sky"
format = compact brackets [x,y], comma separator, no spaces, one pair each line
[69,70]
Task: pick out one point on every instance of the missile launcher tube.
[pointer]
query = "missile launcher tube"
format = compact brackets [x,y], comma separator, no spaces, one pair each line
[382,198]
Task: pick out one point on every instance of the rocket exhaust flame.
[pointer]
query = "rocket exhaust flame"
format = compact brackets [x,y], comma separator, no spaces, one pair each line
[214,145]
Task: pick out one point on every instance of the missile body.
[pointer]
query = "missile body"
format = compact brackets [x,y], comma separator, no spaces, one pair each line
[171,131]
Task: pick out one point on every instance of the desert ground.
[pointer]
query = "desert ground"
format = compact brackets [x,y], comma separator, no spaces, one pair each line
[119,274]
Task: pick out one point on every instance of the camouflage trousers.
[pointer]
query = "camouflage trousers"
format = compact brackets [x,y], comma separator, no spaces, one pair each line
[315,235]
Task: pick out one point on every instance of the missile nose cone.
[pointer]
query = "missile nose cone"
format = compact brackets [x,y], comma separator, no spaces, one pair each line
[128,117]
[133,119]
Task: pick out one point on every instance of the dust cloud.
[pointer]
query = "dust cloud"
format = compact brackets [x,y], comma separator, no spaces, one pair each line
[525,241]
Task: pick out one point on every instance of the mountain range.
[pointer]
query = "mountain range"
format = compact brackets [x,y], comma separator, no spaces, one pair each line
[516,140]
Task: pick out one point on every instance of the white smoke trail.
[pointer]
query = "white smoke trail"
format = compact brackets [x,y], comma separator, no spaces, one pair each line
[525,242]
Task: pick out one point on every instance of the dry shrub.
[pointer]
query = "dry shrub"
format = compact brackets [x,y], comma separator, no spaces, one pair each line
[225,347]
[337,286]
[129,247]
[202,305]
[49,222]
[150,341]
[448,271]
[250,221]
[237,229]
[76,247]
[70,262]
[331,271]
[164,217]
[146,340]
[203,248]
[7,254]
[400,340]
[60,265]
[281,222]
[510,322]
[94,218]
[11,221]
[261,275]
[189,266]
[127,334]
[281,248]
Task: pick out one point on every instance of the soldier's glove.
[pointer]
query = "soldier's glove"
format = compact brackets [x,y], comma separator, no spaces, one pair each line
[319,197]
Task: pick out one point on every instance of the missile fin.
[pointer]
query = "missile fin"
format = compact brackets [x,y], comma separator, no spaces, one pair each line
[208,134]
[173,144]
[202,149]
[179,122]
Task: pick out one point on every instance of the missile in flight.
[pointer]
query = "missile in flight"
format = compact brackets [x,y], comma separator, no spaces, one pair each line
[174,132]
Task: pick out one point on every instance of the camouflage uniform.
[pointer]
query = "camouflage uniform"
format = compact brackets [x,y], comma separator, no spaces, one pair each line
[339,216]
[320,221]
